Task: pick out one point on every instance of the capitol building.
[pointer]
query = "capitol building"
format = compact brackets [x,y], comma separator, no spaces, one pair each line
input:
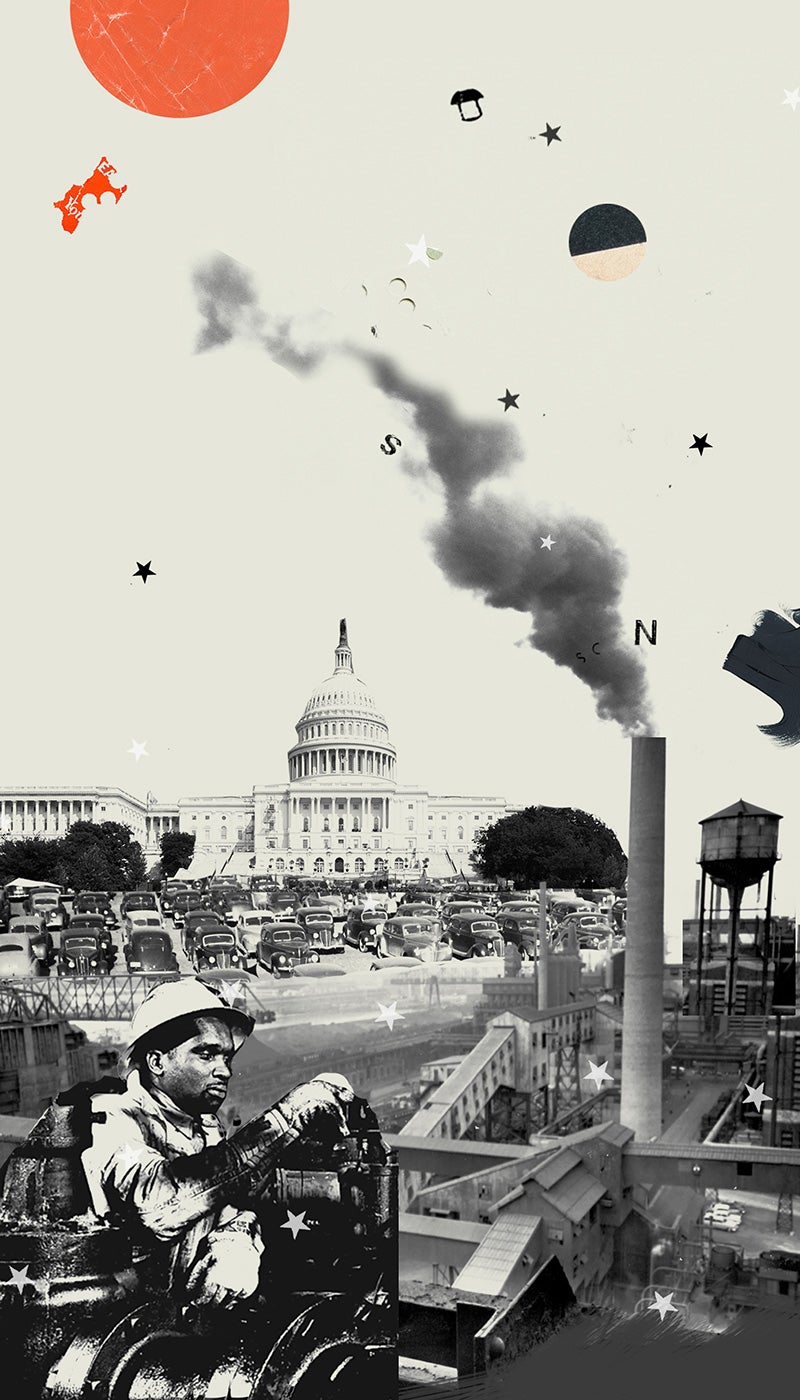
[342,810]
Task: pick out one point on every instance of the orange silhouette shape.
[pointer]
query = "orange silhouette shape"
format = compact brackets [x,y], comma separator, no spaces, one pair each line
[179,58]
[98,184]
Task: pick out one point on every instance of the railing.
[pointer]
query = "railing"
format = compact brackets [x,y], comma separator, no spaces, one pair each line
[90,998]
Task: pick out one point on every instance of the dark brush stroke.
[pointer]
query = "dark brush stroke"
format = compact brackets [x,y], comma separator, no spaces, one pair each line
[484,542]
[769,659]
[641,1356]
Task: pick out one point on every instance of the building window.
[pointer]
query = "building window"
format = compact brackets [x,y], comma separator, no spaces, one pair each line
[306,826]
[461,833]
[326,824]
[356,824]
[359,866]
[279,864]
[376,824]
[223,833]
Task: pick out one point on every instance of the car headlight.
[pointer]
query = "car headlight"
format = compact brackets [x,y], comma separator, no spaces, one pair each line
[281,958]
[70,963]
[212,957]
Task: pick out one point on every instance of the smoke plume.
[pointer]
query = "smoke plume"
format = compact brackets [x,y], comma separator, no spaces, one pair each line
[484,541]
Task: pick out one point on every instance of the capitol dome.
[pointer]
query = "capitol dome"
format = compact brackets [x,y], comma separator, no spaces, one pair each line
[341,711]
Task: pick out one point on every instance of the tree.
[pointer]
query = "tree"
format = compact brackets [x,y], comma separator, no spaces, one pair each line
[102,856]
[29,858]
[177,849]
[561,845]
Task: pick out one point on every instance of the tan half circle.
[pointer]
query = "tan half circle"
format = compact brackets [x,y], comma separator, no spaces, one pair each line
[611,264]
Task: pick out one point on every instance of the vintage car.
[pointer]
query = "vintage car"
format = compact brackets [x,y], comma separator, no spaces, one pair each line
[284,902]
[48,904]
[139,899]
[216,947]
[183,903]
[519,906]
[320,930]
[417,896]
[332,902]
[169,889]
[591,932]
[456,907]
[150,951]
[282,947]
[419,910]
[31,927]
[95,902]
[522,930]
[418,938]
[363,927]
[82,954]
[94,924]
[140,921]
[196,921]
[474,936]
[248,930]
[18,959]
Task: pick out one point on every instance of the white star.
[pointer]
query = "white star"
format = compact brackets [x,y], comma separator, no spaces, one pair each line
[598,1073]
[419,252]
[19,1278]
[663,1304]
[229,991]
[757,1096]
[129,1156]
[791,99]
[138,750]
[295,1223]
[389,1014]
[547,543]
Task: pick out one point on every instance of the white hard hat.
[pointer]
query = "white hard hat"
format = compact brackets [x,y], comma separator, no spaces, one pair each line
[189,996]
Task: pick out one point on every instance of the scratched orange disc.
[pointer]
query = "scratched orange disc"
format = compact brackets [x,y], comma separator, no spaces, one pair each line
[179,58]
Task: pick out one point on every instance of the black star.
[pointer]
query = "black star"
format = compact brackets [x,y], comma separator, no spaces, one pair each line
[701,443]
[143,571]
[509,400]
[551,133]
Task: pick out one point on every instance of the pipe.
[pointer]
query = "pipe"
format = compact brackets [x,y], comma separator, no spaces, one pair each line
[542,990]
[642,1088]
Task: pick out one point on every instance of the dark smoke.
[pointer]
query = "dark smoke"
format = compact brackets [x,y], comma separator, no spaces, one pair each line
[484,542]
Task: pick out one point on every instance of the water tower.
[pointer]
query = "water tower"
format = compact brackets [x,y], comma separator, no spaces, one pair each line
[739,845]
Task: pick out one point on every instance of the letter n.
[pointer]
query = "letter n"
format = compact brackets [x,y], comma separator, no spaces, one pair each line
[640,627]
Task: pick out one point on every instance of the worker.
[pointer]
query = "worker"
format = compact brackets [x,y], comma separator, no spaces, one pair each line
[159,1164]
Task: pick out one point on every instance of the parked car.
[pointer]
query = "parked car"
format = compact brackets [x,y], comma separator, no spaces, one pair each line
[191,899]
[169,890]
[419,938]
[17,958]
[520,906]
[522,930]
[92,924]
[48,904]
[95,902]
[31,928]
[419,910]
[216,947]
[363,928]
[474,936]
[140,921]
[199,921]
[5,910]
[82,954]
[139,899]
[456,907]
[249,928]
[282,947]
[150,951]
[228,903]
[334,904]
[284,902]
[320,930]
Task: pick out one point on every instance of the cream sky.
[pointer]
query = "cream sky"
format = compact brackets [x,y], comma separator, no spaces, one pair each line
[262,497]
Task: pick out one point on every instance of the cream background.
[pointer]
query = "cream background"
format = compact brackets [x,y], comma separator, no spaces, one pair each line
[263,500]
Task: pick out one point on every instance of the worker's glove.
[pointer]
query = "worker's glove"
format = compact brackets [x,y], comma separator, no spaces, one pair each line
[325,1097]
[227,1270]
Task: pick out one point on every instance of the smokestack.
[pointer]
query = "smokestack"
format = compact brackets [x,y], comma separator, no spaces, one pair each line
[640,1104]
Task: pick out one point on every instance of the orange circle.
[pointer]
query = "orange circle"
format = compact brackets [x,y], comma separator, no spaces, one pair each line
[179,58]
